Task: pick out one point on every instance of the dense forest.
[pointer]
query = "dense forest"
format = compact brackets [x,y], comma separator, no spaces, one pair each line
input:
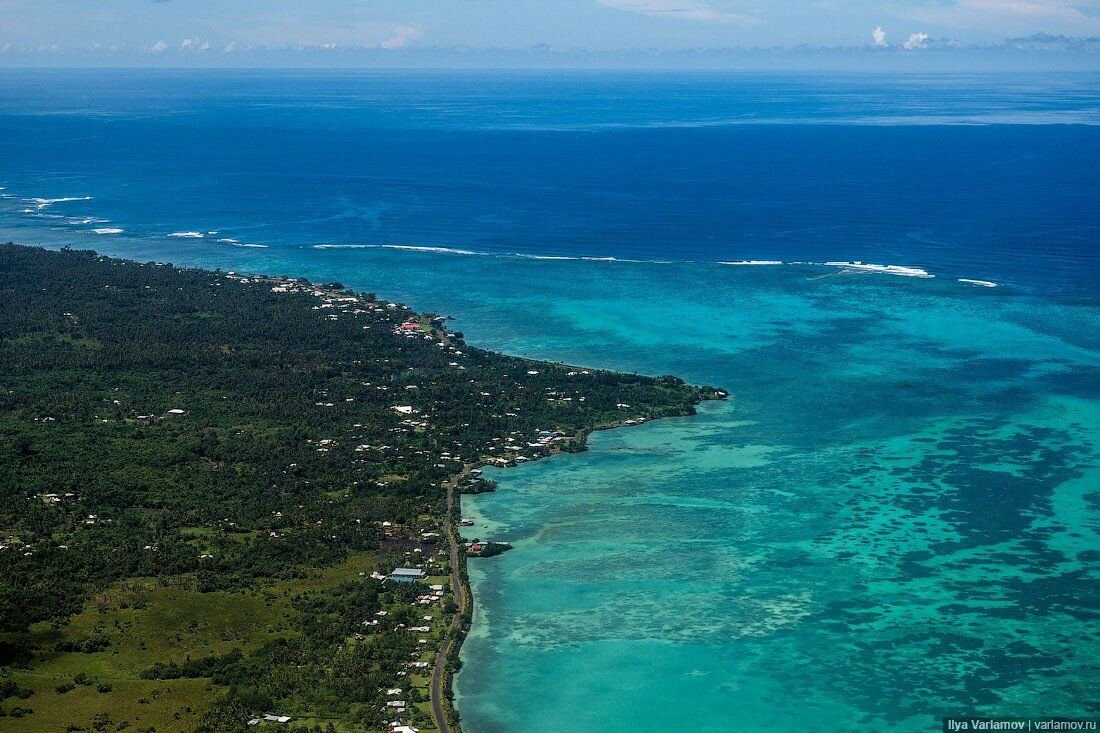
[201,472]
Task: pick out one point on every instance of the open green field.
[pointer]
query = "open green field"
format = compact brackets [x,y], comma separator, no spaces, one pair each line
[144,620]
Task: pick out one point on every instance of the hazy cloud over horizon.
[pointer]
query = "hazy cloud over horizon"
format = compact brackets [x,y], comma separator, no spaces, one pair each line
[203,29]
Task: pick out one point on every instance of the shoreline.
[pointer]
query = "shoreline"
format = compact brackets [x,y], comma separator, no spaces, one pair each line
[549,433]
[448,662]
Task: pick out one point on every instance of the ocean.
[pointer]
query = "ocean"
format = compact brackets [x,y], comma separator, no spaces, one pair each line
[893,519]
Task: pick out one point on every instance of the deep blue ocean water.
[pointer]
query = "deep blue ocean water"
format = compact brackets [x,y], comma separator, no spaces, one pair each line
[894,518]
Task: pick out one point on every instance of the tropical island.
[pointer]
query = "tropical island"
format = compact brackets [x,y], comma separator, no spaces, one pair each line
[229,502]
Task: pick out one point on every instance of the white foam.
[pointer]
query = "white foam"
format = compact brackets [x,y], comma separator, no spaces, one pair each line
[439,250]
[107,230]
[983,283]
[617,259]
[237,243]
[187,235]
[86,220]
[854,266]
[900,270]
[403,247]
[43,203]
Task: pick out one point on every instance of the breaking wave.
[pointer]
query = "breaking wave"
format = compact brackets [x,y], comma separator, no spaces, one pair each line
[42,203]
[853,266]
[403,247]
[899,270]
[850,266]
[236,243]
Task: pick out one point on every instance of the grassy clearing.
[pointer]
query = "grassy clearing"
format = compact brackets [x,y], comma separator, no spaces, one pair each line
[146,621]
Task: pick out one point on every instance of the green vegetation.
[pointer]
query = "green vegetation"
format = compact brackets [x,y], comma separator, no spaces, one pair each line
[200,472]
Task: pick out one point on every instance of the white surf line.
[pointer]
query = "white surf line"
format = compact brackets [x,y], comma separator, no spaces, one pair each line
[238,243]
[900,270]
[42,203]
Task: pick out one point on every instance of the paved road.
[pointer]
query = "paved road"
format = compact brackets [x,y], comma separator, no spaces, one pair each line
[439,673]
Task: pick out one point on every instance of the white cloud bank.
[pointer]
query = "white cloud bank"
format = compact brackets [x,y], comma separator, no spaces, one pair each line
[878,37]
[402,35]
[1051,16]
[916,41]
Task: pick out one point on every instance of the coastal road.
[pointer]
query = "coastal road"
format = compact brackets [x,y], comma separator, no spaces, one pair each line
[461,600]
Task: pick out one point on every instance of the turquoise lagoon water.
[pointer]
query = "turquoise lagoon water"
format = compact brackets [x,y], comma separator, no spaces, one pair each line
[894,517]
[856,540]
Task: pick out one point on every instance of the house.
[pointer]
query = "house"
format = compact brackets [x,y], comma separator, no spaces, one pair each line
[273,718]
[407,575]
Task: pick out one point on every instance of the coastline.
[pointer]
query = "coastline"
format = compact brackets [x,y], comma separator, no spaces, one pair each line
[346,311]
[448,663]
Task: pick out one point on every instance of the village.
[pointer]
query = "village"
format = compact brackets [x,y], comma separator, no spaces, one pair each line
[324,494]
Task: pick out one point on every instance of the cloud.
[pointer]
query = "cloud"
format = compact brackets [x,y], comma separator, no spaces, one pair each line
[158,47]
[699,10]
[986,15]
[1032,8]
[878,36]
[402,35]
[916,41]
[231,47]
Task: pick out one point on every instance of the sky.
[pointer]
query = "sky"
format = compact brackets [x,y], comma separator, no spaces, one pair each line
[204,32]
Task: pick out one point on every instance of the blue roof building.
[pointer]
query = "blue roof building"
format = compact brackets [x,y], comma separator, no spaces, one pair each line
[407,575]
